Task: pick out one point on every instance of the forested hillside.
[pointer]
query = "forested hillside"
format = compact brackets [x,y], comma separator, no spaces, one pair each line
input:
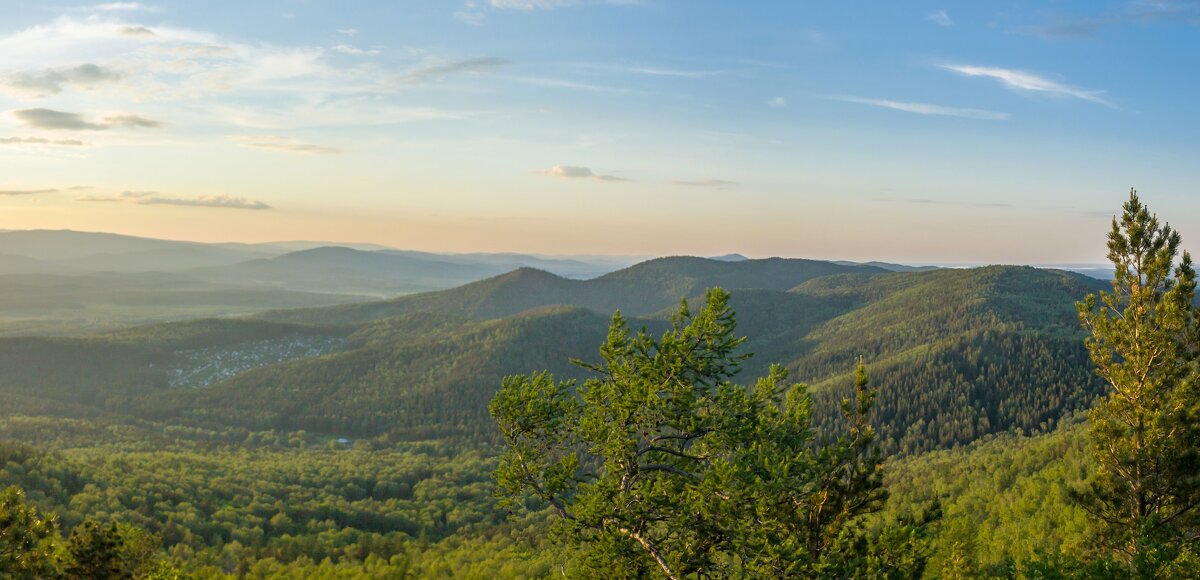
[965,352]
[639,290]
[989,350]
[397,392]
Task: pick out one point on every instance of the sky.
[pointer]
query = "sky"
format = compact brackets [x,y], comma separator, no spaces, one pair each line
[915,132]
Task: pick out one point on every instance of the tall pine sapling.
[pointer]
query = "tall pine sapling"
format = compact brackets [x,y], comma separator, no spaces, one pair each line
[1145,433]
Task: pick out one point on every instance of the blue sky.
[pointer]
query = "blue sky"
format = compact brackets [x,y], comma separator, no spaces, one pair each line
[971,132]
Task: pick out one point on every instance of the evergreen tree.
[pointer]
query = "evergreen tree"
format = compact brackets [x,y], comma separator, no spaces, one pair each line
[1145,433]
[660,465]
[27,540]
[95,552]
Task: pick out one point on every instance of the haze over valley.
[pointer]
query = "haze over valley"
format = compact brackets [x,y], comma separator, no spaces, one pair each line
[677,289]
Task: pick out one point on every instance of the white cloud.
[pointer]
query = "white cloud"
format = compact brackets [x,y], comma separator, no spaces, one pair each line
[666,72]
[347,31]
[713,183]
[578,172]
[550,4]
[355,51]
[928,109]
[940,18]
[572,85]
[156,198]
[777,102]
[222,81]
[285,145]
[437,69]
[472,17]
[36,141]
[316,113]
[136,31]
[52,81]
[16,192]
[1029,82]
[531,4]
[120,7]
[61,120]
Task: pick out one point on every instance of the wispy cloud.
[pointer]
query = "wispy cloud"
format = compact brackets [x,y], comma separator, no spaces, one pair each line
[224,80]
[126,120]
[435,70]
[119,7]
[1067,28]
[52,81]
[17,192]
[41,141]
[550,4]
[156,198]
[578,172]
[355,51]
[136,31]
[1176,10]
[777,102]
[573,85]
[940,18]
[713,183]
[60,120]
[470,16]
[1029,82]
[927,109]
[952,202]
[531,4]
[347,31]
[667,72]
[285,145]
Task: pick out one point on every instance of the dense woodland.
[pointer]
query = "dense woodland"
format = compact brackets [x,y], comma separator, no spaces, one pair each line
[376,458]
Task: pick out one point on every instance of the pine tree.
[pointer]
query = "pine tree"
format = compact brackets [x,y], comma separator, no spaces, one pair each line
[27,540]
[660,465]
[1145,433]
[96,552]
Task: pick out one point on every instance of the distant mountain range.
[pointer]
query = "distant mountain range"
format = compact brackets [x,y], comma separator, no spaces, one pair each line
[63,281]
[67,251]
[956,353]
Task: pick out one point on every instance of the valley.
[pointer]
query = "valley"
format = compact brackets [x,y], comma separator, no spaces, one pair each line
[964,360]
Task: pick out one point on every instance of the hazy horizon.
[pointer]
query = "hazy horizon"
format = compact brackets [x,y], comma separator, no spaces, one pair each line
[616,258]
[928,133]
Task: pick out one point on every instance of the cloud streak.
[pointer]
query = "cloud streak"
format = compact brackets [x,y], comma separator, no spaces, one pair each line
[928,109]
[433,71]
[940,18]
[528,5]
[41,141]
[64,121]
[51,82]
[1028,82]
[578,172]
[156,198]
[18,192]
[121,7]
[355,51]
[285,145]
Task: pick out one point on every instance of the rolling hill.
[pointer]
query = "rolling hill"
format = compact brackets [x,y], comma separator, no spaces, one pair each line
[956,353]
[341,270]
[638,290]
[55,304]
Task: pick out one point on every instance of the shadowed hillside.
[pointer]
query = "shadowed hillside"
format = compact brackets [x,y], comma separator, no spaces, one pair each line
[414,376]
[638,290]
[956,354]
